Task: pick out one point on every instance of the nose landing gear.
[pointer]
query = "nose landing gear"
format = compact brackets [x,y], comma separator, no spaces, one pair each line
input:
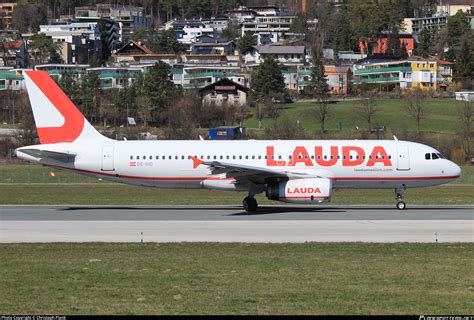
[250,204]
[401,205]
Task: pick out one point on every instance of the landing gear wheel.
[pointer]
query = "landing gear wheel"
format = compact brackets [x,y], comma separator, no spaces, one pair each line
[399,197]
[250,204]
[401,205]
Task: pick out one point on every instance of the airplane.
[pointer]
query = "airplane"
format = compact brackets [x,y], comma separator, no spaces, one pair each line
[292,171]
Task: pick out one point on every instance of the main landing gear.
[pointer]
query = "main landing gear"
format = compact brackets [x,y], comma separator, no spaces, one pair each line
[250,204]
[399,196]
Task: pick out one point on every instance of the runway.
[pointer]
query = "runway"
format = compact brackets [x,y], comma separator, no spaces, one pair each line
[232,224]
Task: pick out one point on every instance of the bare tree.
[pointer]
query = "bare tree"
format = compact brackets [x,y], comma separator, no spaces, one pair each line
[416,108]
[367,109]
[285,128]
[181,119]
[466,117]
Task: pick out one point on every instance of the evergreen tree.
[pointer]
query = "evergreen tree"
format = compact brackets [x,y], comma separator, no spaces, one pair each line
[158,87]
[164,42]
[246,42]
[425,43]
[267,80]
[318,87]
[319,90]
[464,67]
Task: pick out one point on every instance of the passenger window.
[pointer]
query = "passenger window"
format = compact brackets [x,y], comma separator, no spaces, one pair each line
[208,157]
[176,157]
[253,157]
[182,157]
[246,157]
[240,157]
[138,157]
[151,157]
[215,157]
[222,157]
[144,157]
[233,157]
[427,156]
[227,157]
[434,156]
[259,157]
[157,157]
[131,157]
[390,157]
[170,157]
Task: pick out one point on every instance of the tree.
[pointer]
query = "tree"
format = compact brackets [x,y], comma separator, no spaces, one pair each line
[458,26]
[246,42]
[464,67]
[69,84]
[285,128]
[466,119]
[164,42]
[181,119]
[415,107]
[44,49]
[90,93]
[425,43]
[158,87]
[267,80]
[319,90]
[27,17]
[367,109]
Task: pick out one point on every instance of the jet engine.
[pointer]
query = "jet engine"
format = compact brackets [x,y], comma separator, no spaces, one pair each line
[314,190]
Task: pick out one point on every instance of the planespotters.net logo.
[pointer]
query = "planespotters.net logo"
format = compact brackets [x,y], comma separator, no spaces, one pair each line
[446,318]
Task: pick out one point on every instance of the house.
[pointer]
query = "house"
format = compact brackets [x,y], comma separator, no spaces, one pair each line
[224,91]
[338,79]
[6,13]
[412,73]
[188,30]
[286,55]
[382,44]
[199,76]
[212,45]
[9,52]
[79,41]
[267,29]
[129,19]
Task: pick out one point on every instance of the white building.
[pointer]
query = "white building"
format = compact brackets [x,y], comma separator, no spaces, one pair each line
[286,55]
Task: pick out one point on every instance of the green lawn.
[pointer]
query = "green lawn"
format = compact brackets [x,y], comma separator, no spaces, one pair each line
[200,278]
[441,117]
[29,184]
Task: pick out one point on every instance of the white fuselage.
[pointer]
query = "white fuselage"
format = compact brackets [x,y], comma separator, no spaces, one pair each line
[368,164]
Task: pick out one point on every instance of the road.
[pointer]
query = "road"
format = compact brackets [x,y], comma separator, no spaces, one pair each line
[232,224]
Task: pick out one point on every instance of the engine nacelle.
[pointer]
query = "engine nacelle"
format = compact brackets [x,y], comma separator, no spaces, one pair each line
[315,190]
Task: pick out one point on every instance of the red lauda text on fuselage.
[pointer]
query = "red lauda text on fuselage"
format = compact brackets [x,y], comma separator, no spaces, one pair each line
[301,155]
[303,190]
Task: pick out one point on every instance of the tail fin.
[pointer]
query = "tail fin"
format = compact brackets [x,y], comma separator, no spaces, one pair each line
[57,118]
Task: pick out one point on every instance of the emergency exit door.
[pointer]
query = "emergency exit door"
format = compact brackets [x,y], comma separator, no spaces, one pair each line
[108,158]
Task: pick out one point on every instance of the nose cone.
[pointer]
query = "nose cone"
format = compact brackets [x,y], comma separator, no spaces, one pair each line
[454,170]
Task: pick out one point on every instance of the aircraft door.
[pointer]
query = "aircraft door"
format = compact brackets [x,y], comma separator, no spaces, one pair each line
[403,158]
[108,158]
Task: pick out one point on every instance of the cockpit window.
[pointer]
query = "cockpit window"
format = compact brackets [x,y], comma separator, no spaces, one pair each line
[435,156]
[441,156]
[427,156]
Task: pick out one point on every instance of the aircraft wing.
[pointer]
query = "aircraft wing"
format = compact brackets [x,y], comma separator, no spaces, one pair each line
[64,156]
[252,173]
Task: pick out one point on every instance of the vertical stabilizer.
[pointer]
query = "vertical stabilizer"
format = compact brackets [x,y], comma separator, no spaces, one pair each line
[57,118]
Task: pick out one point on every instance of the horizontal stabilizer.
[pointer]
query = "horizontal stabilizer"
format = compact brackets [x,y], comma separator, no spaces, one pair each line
[65,156]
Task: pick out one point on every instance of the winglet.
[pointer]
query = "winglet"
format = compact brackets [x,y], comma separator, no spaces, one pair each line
[196,162]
